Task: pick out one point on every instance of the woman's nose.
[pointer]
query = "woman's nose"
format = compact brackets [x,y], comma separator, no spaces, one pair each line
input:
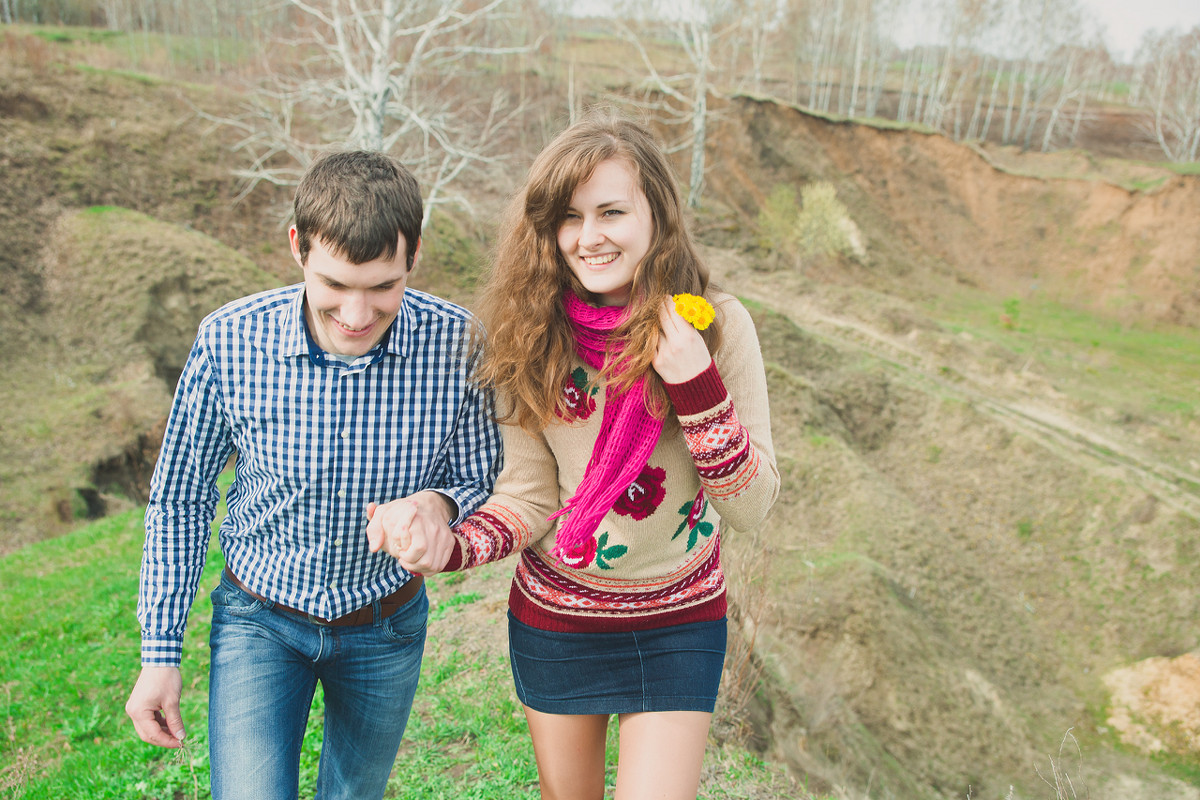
[589,234]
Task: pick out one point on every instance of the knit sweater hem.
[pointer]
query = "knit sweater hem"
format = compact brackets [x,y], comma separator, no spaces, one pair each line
[536,616]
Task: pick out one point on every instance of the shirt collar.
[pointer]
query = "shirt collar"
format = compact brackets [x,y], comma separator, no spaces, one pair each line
[296,339]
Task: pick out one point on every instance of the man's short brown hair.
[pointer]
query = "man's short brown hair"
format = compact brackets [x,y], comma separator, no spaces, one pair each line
[356,202]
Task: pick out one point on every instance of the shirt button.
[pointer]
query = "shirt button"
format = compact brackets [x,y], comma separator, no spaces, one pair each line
[341,492]
[337,542]
[346,434]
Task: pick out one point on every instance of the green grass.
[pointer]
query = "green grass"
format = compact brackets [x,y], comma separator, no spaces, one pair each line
[1138,368]
[70,661]
[1182,167]
[71,657]
[155,51]
[127,74]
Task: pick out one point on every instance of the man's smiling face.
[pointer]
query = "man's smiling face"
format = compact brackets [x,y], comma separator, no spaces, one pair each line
[349,307]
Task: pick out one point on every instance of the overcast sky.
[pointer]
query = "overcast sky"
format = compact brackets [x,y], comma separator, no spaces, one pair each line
[1127,20]
[1124,21]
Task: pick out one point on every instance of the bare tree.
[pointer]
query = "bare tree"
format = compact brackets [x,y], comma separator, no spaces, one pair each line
[398,76]
[706,21]
[1070,87]
[760,19]
[1172,87]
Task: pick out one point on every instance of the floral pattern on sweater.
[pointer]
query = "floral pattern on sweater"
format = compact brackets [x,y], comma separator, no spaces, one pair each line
[693,521]
[581,399]
[654,559]
[644,495]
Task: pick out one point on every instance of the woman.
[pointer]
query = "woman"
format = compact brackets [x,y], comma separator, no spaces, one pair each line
[628,448]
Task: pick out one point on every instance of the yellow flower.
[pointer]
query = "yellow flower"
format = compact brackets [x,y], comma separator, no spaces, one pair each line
[696,310]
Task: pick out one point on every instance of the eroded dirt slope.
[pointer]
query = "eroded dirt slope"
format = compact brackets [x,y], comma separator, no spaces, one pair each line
[933,208]
[958,557]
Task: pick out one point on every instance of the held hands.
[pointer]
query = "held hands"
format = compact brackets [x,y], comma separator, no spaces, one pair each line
[154,706]
[413,530]
[681,353]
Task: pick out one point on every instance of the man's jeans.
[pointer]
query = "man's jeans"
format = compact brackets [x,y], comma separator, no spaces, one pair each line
[265,668]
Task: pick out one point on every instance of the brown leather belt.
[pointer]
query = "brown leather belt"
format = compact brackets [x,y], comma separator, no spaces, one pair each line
[360,616]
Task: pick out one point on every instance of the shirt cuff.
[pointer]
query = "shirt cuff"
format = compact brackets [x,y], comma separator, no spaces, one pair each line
[463,498]
[701,393]
[161,652]
[450,498]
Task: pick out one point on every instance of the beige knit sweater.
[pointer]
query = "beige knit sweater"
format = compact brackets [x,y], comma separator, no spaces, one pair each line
[656,554]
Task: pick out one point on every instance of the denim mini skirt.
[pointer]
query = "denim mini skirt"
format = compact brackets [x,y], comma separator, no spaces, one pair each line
[676,668]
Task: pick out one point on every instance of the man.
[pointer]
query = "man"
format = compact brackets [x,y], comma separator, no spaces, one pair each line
[335,393]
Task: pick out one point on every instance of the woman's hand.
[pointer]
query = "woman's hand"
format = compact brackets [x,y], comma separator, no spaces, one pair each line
[413,530]
[681,353]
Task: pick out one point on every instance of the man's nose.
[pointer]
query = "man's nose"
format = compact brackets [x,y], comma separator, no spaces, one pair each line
[356,310]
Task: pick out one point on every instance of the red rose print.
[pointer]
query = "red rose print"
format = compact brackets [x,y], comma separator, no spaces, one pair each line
[693,513]
[580,403]
[643,495]
[581,556]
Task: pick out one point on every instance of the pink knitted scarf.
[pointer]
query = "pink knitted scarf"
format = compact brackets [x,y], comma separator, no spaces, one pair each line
[628,432]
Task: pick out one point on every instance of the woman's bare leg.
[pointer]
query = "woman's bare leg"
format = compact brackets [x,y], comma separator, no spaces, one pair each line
[569,749]
[661,755]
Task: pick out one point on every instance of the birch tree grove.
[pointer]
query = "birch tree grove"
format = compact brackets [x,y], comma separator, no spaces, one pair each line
[1021,71]
[400,76]
[1172,85]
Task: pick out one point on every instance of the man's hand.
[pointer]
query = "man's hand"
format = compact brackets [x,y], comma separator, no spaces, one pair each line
[154,706]
[414,530]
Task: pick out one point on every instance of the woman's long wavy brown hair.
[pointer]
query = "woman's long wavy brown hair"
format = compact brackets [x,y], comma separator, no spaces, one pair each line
[530,344]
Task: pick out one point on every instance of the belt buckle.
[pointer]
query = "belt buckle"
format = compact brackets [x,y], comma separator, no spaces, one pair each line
[315,620]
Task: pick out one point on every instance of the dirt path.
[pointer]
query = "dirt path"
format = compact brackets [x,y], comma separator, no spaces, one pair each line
[1020,401]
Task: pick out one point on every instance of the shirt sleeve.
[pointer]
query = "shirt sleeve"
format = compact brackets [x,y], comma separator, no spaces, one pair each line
[474,456]
[183,499]
[517,513]
[726,422]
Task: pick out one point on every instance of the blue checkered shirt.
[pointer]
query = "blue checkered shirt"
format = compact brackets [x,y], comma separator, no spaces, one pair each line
[316,440]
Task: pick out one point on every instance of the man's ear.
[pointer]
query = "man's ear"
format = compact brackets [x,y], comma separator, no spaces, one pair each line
[416,254]
[294,243]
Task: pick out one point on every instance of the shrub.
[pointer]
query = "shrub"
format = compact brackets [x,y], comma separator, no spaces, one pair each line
[819,226]
[824,227]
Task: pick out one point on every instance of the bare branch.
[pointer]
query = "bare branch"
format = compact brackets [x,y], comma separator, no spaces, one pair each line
[391,75]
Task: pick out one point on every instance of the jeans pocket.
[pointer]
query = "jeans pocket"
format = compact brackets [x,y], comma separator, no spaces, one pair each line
[408,623]
[231,600]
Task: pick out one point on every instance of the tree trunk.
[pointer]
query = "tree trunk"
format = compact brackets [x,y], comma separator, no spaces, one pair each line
[973,125]
[905,88]
[1064,96]
[858,62]
[699,140]
[987,120]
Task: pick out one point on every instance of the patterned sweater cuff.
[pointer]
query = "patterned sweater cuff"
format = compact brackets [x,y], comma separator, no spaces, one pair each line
[456,557]
[701,393]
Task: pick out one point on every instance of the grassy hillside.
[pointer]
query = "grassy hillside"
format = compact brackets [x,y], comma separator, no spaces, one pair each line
[985,416]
